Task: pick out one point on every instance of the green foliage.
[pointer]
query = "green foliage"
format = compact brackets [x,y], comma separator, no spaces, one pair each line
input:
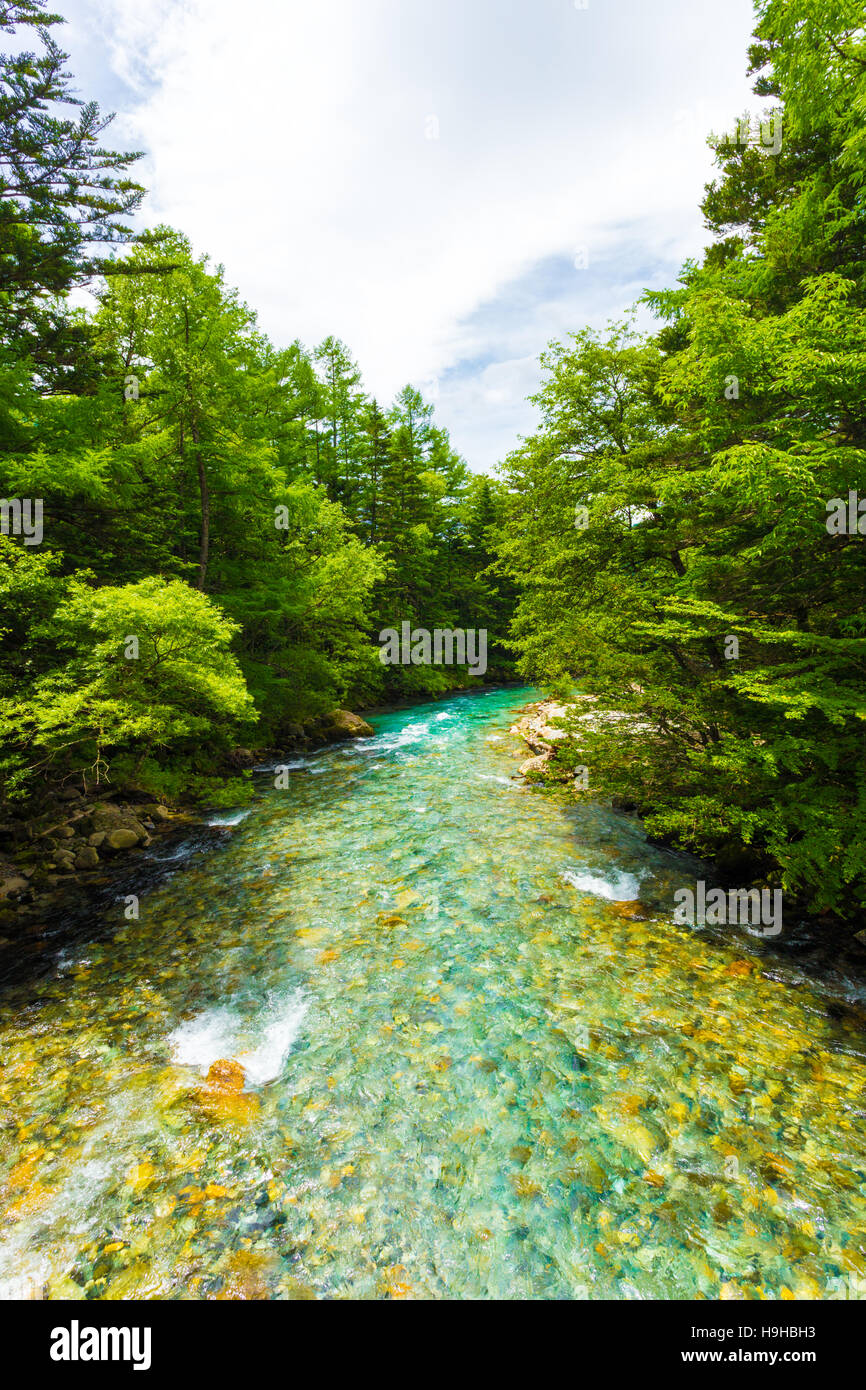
[61,193]
[244,513]
[145,667]
[705,459]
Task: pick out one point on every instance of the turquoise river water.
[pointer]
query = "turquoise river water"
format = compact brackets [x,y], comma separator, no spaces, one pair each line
[479,1060]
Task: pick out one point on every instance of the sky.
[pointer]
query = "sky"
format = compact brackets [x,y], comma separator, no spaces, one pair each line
[446,185]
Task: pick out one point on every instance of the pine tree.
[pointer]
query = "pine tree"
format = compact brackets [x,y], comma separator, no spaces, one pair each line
[62,193]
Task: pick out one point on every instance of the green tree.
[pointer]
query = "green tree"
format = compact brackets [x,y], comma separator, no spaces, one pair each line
[146,669]
[669,523]
[62,193]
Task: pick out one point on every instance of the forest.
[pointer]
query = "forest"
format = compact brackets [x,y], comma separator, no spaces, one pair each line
[686,530]
[225,525]
[314,985]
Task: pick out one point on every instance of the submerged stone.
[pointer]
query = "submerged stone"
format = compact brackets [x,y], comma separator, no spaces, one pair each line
[226,1075]
[522,1109]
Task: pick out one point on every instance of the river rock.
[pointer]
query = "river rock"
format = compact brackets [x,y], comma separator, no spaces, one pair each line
[632,911]
[534,764]
[341,723]
[86,858]
[96,838]
[248,1274]
[227,1075]
[110,819]
[122,838]
[223,1098]
[536,730]
[14,883]
[228,1107]
[587,1172]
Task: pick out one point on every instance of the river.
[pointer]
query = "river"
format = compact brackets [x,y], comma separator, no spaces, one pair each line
[480,1059]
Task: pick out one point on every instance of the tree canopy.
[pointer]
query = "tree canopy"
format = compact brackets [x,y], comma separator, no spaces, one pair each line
[669,524]
[228,524]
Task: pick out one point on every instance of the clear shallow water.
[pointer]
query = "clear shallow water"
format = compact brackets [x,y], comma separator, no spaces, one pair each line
[475,1065]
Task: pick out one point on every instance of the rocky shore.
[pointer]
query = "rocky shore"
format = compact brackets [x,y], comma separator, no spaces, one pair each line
[541,736]
[84,838]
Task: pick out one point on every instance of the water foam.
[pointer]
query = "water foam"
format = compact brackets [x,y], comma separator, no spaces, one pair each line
[231,818]
[272,767]
[416,732]
[620,888]
[260,1043]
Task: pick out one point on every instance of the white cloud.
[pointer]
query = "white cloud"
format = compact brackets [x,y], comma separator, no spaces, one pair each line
[292,141]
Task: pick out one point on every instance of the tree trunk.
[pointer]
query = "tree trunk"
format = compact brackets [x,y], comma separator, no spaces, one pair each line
[204,544]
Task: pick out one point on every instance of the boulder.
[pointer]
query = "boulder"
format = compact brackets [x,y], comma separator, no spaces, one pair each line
[534,764]
[110,819]
[241,757]
[341,723]
[550,735]
[96,838]
[86,858]
[223,1098]
[227,1107]
[122,838]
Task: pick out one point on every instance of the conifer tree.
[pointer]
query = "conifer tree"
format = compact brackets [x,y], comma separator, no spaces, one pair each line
[63,193]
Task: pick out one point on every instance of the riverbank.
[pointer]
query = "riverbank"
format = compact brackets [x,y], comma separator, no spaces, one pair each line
[555,763]
[85,844]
